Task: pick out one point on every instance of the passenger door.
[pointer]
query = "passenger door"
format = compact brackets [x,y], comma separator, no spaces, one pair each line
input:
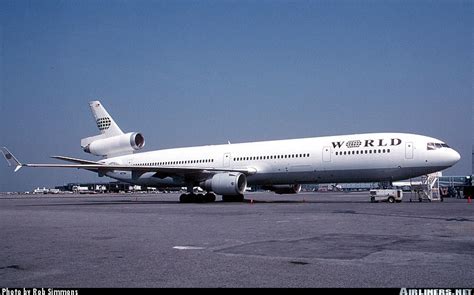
[226,160]
[327,154]
[409,150]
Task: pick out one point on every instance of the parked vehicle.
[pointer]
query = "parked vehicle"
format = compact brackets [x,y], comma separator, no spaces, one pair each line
[386,195]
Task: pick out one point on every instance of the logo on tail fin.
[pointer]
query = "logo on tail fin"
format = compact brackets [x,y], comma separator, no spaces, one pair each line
[103,123]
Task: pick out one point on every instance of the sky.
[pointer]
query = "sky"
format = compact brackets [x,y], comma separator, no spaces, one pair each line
[188,73]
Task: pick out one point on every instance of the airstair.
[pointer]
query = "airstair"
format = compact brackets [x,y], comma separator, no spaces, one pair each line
[427,189]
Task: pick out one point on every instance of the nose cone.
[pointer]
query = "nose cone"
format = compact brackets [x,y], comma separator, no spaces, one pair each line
[453,157]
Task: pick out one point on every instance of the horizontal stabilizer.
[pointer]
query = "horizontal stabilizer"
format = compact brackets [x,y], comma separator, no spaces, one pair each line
[12,161]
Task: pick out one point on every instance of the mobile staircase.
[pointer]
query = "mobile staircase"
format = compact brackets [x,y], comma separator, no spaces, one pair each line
[427,189]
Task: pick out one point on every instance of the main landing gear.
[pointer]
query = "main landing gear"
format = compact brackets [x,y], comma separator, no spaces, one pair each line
[199,198]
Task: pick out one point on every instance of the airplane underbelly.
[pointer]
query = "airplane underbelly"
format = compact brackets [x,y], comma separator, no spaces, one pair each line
[341,176]
[146,179]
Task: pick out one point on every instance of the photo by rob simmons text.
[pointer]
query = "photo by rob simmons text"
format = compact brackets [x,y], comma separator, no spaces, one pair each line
[38,291]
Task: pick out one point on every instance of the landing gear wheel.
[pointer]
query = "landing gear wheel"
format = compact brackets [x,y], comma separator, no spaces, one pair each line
[184,198]
[199,198]
[210,197]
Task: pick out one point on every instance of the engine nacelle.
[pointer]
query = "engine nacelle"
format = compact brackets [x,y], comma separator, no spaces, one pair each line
[116,145]
[227,183]
[284,189]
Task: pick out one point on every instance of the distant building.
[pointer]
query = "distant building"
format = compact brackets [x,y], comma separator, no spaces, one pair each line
[109,187]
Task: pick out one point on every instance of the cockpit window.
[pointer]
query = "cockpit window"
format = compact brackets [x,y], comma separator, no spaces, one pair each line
[436,145]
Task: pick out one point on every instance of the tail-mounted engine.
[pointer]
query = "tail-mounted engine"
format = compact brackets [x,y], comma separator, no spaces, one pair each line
[116,145]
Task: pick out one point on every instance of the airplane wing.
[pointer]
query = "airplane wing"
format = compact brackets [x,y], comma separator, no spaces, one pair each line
[94,166]
[170,170]
[73,160]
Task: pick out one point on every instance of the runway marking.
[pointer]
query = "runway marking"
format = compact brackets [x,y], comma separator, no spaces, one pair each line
[187,248]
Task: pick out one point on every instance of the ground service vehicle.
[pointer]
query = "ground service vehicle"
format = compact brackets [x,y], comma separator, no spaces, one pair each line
[386,195]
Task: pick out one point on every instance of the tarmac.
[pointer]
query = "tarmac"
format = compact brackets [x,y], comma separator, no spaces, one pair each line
[306,240]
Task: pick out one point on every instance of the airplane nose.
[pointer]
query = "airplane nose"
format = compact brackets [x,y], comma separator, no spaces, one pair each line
[454,156]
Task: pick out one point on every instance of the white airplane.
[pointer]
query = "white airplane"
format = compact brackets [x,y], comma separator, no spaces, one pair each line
[280,165]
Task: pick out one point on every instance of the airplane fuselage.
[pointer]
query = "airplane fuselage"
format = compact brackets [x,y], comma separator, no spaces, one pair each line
[278,165]
[372,157]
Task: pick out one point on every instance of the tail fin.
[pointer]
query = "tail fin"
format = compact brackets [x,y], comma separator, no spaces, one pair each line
[104,121]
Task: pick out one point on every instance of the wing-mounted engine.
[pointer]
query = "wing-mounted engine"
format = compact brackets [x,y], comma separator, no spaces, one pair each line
[284,189]
[228,183]
[114,146]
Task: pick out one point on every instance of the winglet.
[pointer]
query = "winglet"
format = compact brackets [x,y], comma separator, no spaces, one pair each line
[12,161]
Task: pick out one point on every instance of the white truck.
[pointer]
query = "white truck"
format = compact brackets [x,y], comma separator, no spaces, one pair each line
[39,190]
[386,195]
[81,189]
